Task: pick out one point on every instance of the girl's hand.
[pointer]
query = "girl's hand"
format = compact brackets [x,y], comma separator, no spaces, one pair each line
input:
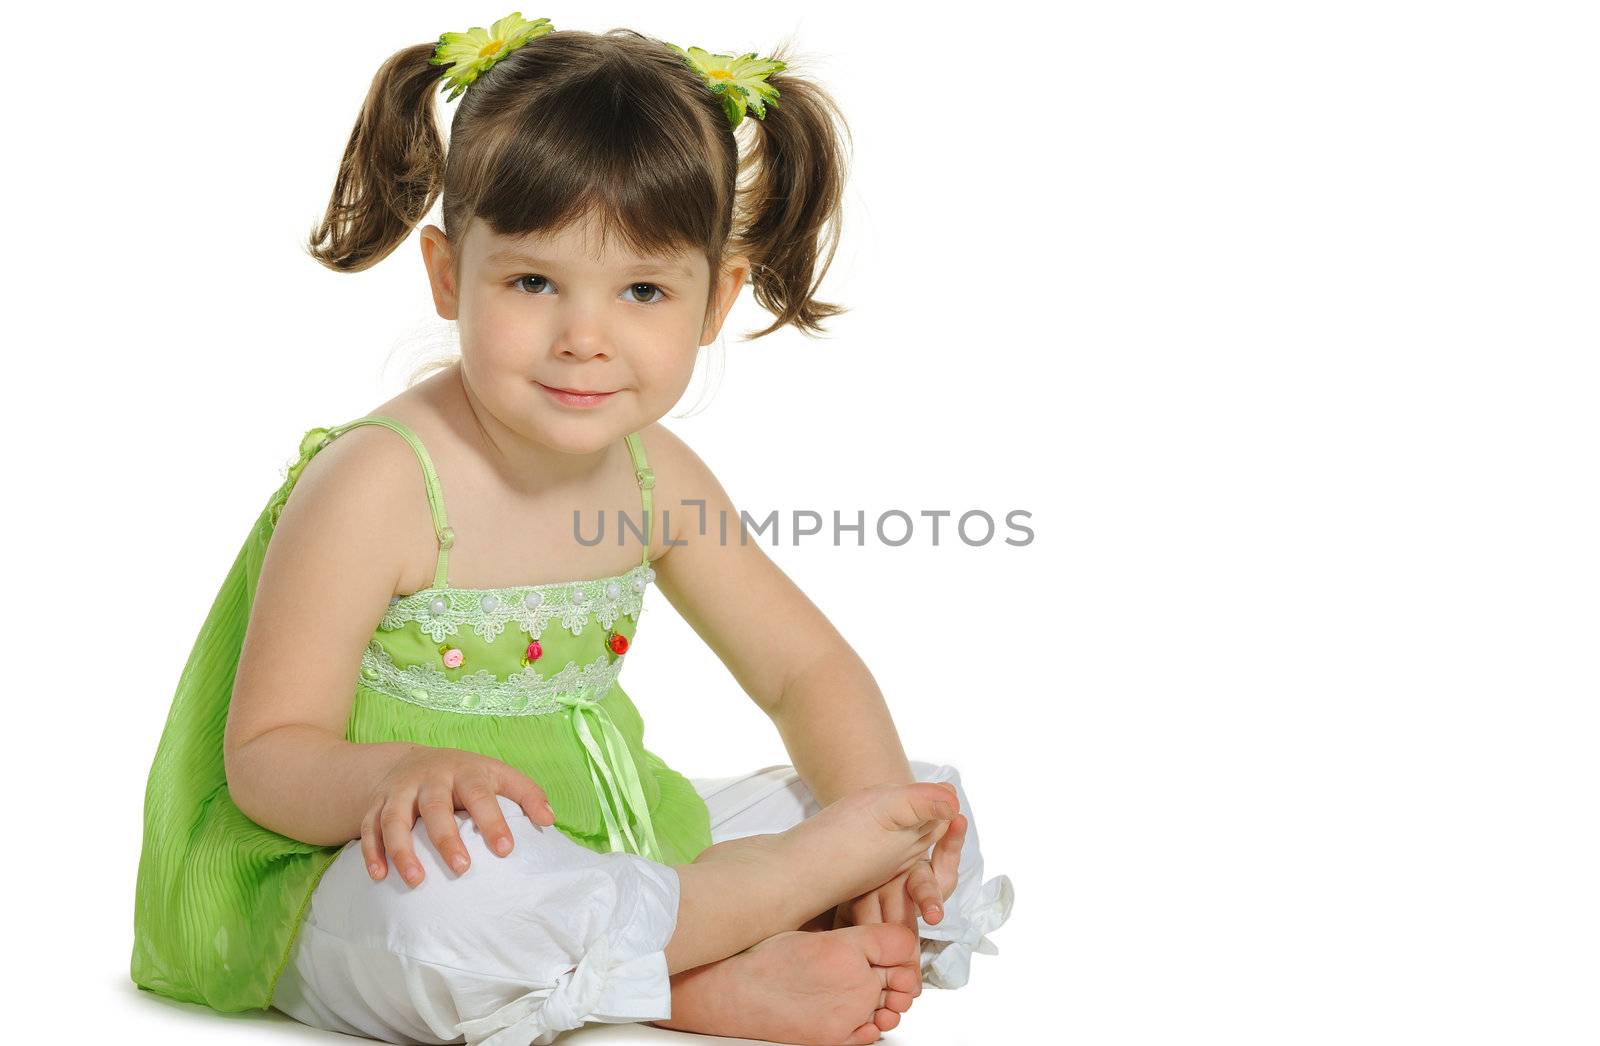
[438,782]
[921,888]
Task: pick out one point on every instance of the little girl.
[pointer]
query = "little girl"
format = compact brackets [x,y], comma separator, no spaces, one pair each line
[400,792]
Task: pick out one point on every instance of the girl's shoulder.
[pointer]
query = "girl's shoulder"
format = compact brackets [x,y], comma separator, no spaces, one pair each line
[682,478]
[360,448]
[673,461]
[376,451]
[365,485]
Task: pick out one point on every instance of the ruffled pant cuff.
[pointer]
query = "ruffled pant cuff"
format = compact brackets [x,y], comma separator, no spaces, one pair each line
[947,945]
[608,985]
[621,977]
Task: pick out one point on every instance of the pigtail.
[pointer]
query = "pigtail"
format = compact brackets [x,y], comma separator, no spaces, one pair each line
[392,170]
[617,122]
[792,201]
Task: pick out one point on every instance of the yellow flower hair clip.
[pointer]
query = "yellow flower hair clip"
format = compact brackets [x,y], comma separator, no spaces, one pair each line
[470,54]
[741,80]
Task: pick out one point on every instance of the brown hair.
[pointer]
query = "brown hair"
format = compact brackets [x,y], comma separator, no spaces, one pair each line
[574,122]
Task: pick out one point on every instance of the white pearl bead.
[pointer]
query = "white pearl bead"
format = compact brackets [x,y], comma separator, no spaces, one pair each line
[638,584]
[614,590]
[650,573]
[577,595]
[533,599]
[489,603]
[437,606]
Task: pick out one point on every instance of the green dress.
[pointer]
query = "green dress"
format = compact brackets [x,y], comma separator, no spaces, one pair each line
[526,674]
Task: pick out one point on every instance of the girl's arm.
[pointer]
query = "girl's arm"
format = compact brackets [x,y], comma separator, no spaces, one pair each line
[329,570]
[304,782]
[782,650]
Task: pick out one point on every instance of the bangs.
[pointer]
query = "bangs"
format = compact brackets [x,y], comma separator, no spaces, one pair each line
[596,146]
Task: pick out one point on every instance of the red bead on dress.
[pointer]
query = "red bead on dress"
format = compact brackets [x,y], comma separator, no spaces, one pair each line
[617,642]
[532,655]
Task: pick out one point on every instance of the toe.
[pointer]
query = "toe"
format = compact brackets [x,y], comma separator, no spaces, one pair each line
[885,1020]
[912,805]
[868,1032]
[899,1002]
[907,979]
[891,944]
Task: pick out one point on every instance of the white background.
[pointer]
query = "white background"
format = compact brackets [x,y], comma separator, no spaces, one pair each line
[1279,319]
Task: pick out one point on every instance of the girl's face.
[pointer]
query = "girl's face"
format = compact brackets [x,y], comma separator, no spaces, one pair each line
[547,312]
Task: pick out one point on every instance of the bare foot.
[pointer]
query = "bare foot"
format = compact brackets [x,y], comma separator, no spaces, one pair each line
[822,921]
[836,988]
[743,891]
[865,838]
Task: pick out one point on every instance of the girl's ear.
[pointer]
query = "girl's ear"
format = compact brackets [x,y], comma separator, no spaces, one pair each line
[735,274]
[439,258]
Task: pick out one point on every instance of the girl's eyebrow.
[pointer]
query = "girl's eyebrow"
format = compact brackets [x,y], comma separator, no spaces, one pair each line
[513,256]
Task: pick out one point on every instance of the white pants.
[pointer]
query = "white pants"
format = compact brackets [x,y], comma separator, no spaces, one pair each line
[523,947]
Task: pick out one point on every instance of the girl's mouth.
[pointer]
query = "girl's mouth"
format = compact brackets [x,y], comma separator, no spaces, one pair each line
[576,399]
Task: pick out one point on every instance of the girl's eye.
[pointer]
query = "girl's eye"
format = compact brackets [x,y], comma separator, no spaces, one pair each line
[520,283]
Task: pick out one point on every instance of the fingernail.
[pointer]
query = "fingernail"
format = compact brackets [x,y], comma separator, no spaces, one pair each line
[375,870]
[502,846]
[459,862]
[943,809]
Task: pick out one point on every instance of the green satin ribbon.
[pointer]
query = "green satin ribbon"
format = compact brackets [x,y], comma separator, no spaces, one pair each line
[630,796]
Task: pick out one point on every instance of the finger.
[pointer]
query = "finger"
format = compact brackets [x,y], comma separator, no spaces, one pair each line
[484,806]
[922,885]
[910,920]
[895,905]
[526,793]
[866,909]
[939,830]
[398,818]
[932,833]
[947,856]
[902,912]
[437,803]
[371,851]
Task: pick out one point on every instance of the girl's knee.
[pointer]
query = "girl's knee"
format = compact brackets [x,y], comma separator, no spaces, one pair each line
[534,849]
[525,835]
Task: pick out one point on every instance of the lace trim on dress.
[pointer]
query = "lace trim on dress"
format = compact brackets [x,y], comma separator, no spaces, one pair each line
[439,612]
[481,692]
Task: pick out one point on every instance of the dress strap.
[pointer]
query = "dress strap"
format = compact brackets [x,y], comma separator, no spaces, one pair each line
[441,526]
[647,479]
